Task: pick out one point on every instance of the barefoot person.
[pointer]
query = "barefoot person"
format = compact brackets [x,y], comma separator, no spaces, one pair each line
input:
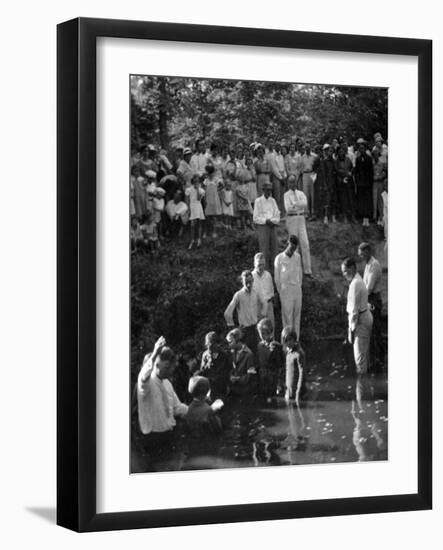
[359,316]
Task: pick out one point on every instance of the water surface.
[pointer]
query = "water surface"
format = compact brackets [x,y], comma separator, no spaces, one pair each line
[341,418]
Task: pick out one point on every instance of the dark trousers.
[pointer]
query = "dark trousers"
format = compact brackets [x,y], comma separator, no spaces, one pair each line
[345,199]
[250,337]
[376,345]
[267,244]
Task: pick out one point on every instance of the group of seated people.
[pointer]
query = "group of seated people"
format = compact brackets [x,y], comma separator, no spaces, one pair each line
[210,188]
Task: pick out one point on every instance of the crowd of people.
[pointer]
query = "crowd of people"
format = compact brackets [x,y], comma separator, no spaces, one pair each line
[201,192]
[210,188]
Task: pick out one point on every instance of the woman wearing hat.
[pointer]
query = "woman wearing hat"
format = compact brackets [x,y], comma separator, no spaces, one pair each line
[148,160]
[184,170]
[381,147]
[364,175]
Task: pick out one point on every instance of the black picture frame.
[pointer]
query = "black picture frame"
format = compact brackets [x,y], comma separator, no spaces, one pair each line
[76,273]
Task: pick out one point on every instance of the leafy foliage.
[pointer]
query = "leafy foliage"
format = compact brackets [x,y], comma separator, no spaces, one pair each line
[170,111]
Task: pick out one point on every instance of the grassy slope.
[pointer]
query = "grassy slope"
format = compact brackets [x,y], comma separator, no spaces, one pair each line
[182,294]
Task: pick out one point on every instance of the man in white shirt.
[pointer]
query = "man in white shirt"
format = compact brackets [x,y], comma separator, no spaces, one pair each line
[157,402]
[372,278]
[308,178]
[288,276]
[199,159]
[266,218]
[359,317]
[296,207]
[249,307]
[263,286]
[278,175]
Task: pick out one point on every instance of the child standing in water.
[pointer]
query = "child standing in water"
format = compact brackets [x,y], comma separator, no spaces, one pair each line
[294,364]
[195,194]
[201,420]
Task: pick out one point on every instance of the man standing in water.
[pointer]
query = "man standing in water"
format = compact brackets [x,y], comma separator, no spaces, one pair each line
[359,316]
[288,276]
[158,404]
[372,277]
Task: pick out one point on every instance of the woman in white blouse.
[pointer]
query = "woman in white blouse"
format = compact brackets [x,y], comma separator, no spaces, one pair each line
[359,315]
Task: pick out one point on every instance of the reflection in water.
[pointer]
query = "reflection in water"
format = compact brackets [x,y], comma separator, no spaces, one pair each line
[341,418]
[368,432]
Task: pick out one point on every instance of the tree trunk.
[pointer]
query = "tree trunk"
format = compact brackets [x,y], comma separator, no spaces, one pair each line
[163,114]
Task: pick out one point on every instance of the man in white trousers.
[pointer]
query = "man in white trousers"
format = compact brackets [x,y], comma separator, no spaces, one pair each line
[296,205]
[288,277]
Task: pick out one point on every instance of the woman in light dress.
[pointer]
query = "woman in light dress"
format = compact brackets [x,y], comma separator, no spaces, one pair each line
[213,208]
[194,195]
[250,177]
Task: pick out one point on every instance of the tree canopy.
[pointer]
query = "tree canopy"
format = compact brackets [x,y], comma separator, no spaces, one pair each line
[172,111]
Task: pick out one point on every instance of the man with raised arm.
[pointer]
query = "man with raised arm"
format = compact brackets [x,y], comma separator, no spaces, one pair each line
[158,404]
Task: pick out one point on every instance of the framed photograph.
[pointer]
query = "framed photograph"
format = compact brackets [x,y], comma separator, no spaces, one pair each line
[240,337]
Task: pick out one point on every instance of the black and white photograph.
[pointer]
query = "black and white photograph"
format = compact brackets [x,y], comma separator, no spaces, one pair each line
[258,216]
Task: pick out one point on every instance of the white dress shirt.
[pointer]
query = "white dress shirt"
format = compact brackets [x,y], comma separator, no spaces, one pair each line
[198,163]
[249,308]
[295,202]
[158,403]
[266,209]
[357,300]
[263,285]
[278,165]
[287,271]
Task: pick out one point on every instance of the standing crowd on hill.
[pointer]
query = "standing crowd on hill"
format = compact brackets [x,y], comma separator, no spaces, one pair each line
[202,191]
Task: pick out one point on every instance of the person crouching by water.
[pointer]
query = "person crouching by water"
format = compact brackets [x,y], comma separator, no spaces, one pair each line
[157,402]
[242,380]
[359,317]
[295,358]
[269,361]
[201,420]
[215,365]
[249,307]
